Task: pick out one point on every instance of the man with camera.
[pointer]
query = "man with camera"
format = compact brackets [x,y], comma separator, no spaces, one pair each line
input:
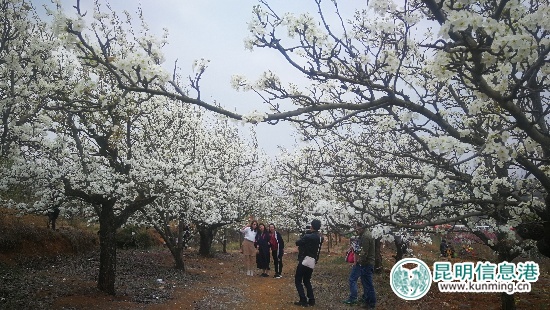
[309,247]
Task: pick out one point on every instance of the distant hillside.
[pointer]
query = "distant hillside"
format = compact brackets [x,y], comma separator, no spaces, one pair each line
[27,237]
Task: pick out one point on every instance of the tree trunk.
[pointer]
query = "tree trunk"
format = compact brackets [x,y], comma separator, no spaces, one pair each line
[176,252]
[378,255]
[174,243]
[178,258]
[507,302]
[224,243]
[206,234]
[107,256]
[399,252]
[108,224]
[543,244]
[398,241]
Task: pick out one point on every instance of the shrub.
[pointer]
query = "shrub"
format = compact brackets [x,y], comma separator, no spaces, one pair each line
[134,237]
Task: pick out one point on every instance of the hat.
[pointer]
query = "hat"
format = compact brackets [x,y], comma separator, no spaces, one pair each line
[316,224]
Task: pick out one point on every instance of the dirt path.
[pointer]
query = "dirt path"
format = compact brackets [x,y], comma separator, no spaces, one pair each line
[225,285]
[147,280]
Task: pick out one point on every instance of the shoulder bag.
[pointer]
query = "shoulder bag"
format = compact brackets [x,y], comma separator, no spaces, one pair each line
[310,261]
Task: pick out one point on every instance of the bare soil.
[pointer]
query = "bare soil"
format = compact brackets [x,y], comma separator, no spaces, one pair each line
[45,275]
[146,280]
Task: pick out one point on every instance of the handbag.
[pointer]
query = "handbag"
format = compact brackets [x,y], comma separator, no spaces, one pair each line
[309,262]
[350,256]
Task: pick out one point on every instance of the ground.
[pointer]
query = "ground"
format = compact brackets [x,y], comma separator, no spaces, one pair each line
[147,280]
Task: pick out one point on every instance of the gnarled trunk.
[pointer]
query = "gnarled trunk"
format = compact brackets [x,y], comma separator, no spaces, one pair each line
[206,234]
[107,256]
[507,302]
[178,258]
[174,242]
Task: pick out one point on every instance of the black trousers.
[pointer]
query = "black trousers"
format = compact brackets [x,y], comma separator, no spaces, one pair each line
[303,275]
[277,261]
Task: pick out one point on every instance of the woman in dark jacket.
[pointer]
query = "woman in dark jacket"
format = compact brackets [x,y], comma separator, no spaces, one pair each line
[262,244]
[277,250]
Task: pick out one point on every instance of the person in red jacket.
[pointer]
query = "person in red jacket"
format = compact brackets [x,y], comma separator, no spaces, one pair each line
[277,250]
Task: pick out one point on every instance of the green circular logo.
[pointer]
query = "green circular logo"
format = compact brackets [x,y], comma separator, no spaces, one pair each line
[410,279]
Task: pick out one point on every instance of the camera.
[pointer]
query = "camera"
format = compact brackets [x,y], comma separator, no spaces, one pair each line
[307,230]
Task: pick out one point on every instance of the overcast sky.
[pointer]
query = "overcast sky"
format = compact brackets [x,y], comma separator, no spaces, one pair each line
[215,30]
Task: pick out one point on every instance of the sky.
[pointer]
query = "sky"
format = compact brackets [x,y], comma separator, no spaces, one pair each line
[215,30]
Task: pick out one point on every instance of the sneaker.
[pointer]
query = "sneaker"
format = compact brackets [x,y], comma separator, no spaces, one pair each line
[311,302]
[301,303]
[365,305]
[278,276]
[265,275]
[350,301]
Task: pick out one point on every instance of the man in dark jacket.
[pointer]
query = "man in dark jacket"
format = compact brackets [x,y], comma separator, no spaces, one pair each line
[364,269]
[308,245]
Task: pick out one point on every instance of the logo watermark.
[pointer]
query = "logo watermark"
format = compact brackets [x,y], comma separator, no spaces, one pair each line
[410,283]
[504,277]
[411,278]
[484,287]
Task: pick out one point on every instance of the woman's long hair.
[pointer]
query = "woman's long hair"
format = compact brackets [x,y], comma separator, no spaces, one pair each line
[252,226]
[262,224]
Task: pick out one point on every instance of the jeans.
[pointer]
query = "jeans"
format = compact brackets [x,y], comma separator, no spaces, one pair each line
[303,274]
[365,273]
[277,261]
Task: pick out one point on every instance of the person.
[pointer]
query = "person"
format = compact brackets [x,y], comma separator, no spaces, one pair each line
[450,250]
[277,250]
[248,248]
[443,248]
[401,246]
[262,246]
[308,245]
[363,268]
[52,216]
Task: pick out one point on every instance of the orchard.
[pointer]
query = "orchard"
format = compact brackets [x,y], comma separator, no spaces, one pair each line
[412,114]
